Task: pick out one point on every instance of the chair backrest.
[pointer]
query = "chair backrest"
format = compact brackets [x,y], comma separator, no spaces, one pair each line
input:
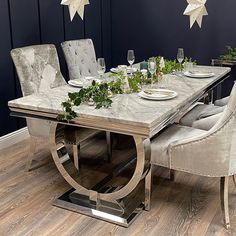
[212,153]
[80,58]
[38,68]
[218,145]
[225,130]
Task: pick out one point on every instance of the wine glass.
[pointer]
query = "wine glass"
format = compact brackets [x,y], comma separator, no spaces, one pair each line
[101,67]
[152,66]
[180,55]
[131,58]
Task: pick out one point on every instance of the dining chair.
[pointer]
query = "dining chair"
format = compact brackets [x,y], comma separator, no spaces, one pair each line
[81,61]
[222,102]
[38,71]
[209,153]
[80,57]
[202,116]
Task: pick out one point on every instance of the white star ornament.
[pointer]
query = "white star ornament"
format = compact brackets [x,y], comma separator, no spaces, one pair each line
[196,10]
[75,6]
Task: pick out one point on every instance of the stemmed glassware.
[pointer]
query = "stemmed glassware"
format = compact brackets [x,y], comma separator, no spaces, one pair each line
[131,58]
[180,55]
[101,67]
[152,67]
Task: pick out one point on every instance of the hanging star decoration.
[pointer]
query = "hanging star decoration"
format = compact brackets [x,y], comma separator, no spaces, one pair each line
[196,10]
[75,6]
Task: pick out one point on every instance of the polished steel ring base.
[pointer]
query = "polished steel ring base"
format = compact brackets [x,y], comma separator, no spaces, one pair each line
[81,204]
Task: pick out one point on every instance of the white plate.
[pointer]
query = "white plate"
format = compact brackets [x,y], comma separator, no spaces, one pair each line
[76,83]
[196,74]
[114,70]
[129,70]
[89,78]
[158,94]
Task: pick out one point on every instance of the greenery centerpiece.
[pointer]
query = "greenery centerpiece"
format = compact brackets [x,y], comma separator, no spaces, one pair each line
[100,94]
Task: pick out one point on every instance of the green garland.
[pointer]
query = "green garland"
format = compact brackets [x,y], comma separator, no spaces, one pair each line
[100,94]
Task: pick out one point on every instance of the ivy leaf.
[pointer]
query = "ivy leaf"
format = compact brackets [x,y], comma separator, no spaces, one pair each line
[72,96]
[77,101]
[66,104]
[61,117]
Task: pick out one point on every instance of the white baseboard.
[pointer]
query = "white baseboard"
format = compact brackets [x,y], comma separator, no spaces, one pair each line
[13,138]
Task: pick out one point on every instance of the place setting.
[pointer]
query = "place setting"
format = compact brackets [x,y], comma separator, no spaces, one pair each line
[189,68]
[157,94]
[199,74]
[128,69]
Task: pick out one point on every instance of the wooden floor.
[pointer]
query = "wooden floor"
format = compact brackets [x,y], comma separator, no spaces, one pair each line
[188,206]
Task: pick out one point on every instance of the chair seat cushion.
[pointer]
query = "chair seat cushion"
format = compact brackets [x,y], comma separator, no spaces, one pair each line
[160,144]
[200,111]
[41,129]
[38,128]
[207,123]
[222,102]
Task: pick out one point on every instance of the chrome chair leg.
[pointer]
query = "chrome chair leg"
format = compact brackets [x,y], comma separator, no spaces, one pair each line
[31,154]
[224,197]
[109,146]
[148,190]
[234,179]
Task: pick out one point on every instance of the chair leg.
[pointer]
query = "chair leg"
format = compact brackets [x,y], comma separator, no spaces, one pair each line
[109,146]
[148,190]
[31,154]
[76,154]
[234,179]
[224,197]
[172,175]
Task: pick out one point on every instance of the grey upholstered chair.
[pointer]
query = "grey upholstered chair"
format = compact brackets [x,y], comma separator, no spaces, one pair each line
[202,116]
[222,102]
[38,70]
[209,153]
[80,58]
[81,61]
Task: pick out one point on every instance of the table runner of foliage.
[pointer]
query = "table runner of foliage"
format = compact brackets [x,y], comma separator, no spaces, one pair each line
[100,94]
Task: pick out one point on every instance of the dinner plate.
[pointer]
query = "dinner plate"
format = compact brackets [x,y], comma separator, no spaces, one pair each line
[131,70]
[114,70]
[158,94]
[76,83]
[199,74]
[117,70]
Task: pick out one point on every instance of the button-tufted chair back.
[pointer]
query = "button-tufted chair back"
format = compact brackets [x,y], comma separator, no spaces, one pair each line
[80,58]
[38,68]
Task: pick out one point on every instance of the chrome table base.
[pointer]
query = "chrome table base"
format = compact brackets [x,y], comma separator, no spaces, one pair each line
[105,211]
[116,204]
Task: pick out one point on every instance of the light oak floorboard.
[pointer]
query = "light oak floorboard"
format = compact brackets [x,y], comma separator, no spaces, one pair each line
[188,206]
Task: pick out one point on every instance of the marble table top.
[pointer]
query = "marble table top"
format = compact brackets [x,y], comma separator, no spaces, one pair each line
[128,109]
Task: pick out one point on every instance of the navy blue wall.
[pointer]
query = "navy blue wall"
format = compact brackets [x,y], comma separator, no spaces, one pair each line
[151,27]
[154,27]
[27,22]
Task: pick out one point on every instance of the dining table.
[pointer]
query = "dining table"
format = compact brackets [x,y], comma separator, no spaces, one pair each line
[129,115]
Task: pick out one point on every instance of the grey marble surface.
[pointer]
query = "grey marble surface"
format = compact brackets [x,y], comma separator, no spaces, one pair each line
[126,109]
